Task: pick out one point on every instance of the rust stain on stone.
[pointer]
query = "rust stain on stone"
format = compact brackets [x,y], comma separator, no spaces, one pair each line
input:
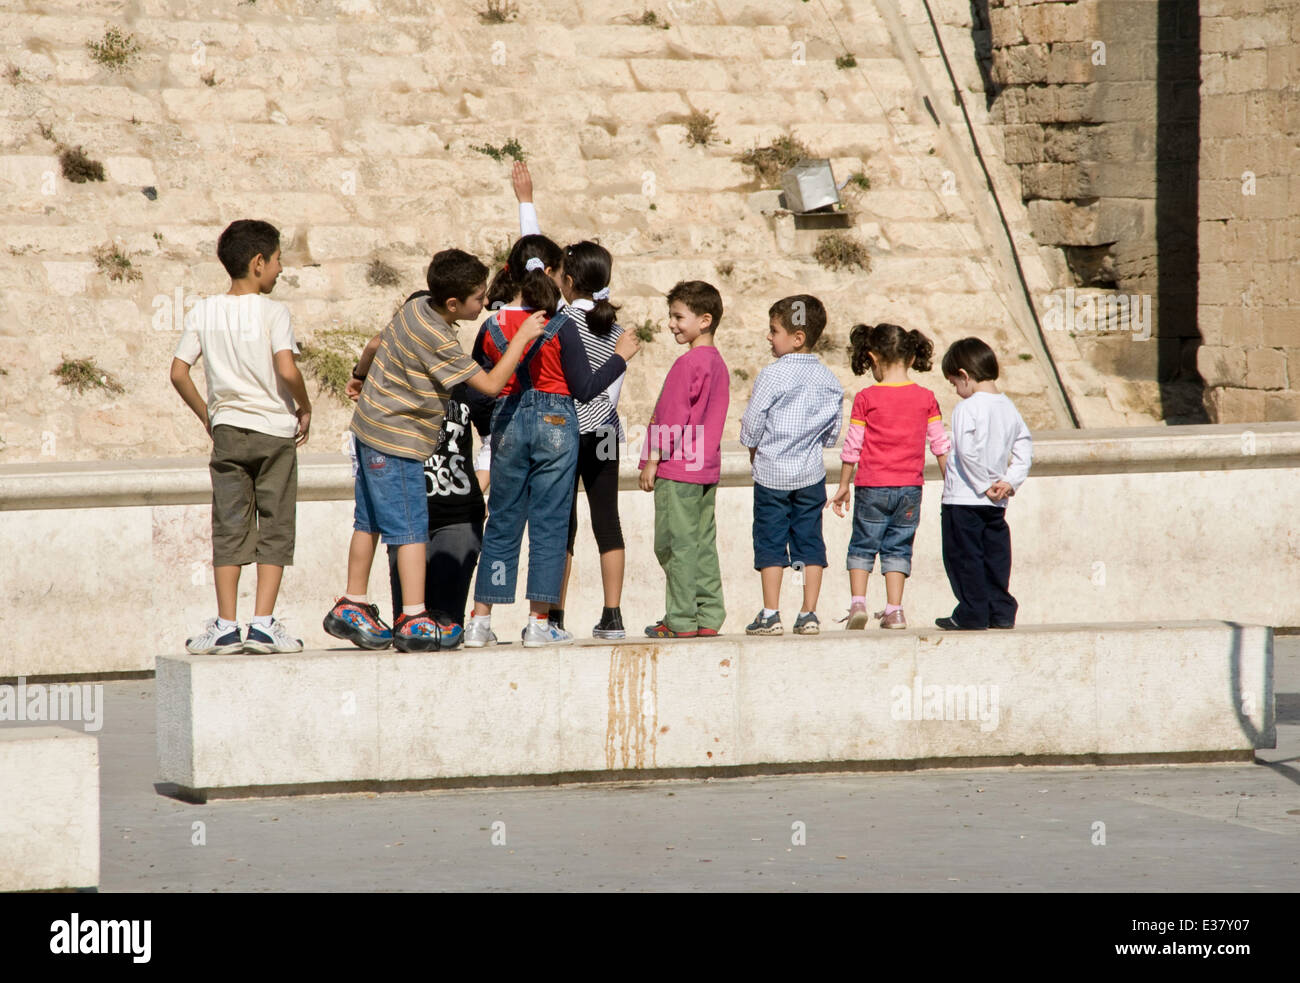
[632,732]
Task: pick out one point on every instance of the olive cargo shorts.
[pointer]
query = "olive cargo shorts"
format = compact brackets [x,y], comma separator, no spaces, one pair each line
[254,497]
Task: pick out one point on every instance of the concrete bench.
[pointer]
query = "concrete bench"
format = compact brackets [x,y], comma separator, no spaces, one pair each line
[49,809]
[345,720]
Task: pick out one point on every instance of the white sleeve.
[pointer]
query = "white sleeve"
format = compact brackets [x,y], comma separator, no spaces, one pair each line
[280,330]
[190,348]
[970,443]
[528,219]
[483,457]
[1022,453]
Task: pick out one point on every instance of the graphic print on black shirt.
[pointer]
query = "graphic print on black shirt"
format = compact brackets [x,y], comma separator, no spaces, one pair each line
[449,479]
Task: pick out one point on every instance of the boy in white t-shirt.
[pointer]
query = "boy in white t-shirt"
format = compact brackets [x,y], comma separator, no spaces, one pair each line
[257,414]
[991,453]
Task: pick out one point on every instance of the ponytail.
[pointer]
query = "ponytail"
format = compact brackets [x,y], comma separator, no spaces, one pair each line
[891,345]
[588,265]
[859,345]
[537,290]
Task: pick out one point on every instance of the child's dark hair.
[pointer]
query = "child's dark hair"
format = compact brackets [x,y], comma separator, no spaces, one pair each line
[801,312]
[243,241]
[973,356]
[589,264]
[539,290]
[454,274]
[891,345]
[699,298]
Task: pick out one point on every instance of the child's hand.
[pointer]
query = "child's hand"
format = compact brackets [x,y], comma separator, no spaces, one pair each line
[522,181]
[628,345]
[304,425]
[840,500]
[353,389]
[532,327]
[999,490]
[648,475]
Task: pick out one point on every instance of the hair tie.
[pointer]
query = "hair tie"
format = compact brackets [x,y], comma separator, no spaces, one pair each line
[601,294]
[534,264]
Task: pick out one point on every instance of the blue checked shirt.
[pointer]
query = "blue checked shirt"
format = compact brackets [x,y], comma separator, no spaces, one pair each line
[795,410]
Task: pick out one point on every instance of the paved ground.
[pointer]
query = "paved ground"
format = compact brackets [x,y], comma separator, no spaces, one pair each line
[1230,827]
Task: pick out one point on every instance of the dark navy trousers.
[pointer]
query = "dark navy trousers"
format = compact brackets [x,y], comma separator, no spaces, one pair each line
[977,558]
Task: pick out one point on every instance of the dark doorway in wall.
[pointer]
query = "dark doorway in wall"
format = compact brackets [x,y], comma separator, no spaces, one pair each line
[1178,143]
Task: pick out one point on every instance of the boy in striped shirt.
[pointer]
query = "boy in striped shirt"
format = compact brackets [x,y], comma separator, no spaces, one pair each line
[794,412]
[397,423]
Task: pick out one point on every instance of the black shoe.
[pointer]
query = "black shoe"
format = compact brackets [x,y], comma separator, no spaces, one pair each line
[611,625]
[947,624]
[1010,624]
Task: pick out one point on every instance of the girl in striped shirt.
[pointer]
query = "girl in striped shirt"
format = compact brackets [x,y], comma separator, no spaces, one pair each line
[585,285]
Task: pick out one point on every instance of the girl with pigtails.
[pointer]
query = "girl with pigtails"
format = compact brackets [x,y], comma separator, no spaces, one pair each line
[888,428]
[534,439]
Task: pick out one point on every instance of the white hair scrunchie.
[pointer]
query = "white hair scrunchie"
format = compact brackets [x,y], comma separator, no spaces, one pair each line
[534,264]
[601,294]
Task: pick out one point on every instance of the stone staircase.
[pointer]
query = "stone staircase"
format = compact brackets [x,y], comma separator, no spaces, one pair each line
[350,125]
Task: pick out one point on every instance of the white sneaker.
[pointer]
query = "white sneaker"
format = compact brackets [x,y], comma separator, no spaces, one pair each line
[273,638]
[540,633]
[215,641]
[477,635]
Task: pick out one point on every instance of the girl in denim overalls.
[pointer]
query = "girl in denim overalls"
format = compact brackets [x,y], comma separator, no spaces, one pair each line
[534,440]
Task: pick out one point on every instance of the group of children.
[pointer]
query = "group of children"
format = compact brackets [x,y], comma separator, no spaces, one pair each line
[541,388]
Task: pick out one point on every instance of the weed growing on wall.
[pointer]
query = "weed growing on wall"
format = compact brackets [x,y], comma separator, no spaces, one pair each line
[115,264]
[81,374]
[767,164]
[839,251]
[114,50]
[329,358]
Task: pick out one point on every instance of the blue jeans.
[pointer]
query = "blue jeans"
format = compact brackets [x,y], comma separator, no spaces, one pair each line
[534,460]
[390,497]
[788,526]
[884,523]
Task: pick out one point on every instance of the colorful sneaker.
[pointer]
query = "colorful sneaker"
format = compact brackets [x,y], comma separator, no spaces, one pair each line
[771,625]
[540,633]
[708,633]
[661,630]
[215,641]
[807,623]
[857,619]
[273,638]
[892,619]
[416,633]
[610,626]
[359,624]
[477,635]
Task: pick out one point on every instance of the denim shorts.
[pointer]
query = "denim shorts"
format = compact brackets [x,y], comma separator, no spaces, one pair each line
[884,522]
[788,526]
[391,497]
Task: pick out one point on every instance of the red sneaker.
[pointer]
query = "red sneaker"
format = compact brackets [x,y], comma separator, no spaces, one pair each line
[708,633]
[661,630]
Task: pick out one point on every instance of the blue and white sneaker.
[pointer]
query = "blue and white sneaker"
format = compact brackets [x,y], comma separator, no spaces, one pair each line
[215,641]
[273,638]
[540,633]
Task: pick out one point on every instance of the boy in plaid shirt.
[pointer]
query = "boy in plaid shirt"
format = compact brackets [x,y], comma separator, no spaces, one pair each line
[794,412]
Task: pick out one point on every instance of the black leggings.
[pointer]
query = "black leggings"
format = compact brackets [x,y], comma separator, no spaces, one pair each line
[450,557]
[600,478]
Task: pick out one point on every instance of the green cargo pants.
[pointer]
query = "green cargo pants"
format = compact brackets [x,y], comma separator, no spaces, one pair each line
[686,534]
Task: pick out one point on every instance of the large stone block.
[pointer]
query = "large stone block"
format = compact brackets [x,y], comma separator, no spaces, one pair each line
[49,807]
[297,723]
[1265,369]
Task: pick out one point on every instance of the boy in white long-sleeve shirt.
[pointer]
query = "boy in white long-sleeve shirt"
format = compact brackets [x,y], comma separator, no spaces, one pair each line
[991,453]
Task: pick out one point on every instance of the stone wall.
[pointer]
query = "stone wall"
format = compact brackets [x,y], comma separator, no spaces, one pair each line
[352,125]
[1099,103]
[1250,208]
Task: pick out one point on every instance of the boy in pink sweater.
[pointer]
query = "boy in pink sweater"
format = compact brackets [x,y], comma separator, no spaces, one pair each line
[681,464]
